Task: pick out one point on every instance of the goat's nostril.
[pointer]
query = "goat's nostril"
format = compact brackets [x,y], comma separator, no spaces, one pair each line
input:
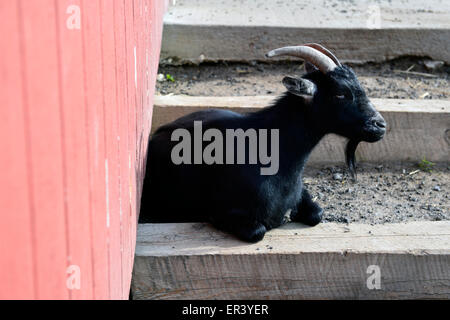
[380,124]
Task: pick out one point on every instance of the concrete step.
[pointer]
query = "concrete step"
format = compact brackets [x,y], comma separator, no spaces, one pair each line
[416,128]
[329,261]
[357,31]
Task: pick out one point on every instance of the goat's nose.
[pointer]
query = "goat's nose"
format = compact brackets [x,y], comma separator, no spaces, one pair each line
[379,122]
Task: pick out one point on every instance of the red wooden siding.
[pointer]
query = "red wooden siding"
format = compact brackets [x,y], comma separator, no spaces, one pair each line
[76,108]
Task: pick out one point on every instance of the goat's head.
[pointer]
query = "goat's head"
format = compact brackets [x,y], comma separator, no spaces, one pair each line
[335,94]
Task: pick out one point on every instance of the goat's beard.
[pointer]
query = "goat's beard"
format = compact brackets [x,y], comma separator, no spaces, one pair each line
[350,157]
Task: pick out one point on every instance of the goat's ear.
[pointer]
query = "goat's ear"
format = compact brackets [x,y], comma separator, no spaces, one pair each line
[300,87]
[309,67]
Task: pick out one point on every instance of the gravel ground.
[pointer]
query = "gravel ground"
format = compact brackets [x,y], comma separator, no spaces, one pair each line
[386,193]
[380,80]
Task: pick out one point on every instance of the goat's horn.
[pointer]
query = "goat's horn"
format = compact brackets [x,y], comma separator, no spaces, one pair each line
[314,56]
[325,51]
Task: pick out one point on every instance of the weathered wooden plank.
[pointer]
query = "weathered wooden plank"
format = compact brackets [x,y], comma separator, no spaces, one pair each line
[92,52]
[358,31]
[17,273]
[75,148]
[43,119]
[106,16]
[123,132]
[416,128]
[255,102]
[330,261]
[132,105]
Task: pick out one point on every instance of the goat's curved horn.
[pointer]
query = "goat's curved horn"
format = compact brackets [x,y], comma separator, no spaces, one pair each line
[314,56]
[324,51]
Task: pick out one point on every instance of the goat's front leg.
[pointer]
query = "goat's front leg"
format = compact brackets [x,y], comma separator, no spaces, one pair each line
[241,224]
[308,211]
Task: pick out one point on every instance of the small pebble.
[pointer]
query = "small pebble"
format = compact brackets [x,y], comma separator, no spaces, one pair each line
[437,188]
[433,65]
[160,78]
[337,176]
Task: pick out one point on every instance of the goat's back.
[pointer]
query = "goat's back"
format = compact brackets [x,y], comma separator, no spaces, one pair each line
[185,192]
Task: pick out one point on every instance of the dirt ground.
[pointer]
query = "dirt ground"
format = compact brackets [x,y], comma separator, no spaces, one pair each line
[385,80]
[384,193]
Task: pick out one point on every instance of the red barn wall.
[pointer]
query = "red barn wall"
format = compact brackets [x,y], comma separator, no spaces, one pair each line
[75,112]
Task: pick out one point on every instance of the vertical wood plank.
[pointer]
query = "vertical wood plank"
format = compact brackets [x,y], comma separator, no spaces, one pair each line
[71,85]
[111,130]
[138,71]
[91,31]
[130,46]
[16,229]
[123,124]
[43,117]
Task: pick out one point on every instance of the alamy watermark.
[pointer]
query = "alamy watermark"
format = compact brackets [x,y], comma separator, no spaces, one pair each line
[374,280]
[73,22]
[73,281]
[374,17]
[234,140]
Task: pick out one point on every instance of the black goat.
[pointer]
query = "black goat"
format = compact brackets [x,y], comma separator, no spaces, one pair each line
[237,198]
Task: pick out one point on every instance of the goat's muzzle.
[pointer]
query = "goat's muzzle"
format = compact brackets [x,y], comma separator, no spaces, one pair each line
[375,128]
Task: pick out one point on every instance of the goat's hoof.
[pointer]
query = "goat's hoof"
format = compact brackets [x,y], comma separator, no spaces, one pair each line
[311,218]
[253,235]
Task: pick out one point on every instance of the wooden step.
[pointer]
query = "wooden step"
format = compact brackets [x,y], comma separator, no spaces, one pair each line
[358,31]
[329,261]
[416,128]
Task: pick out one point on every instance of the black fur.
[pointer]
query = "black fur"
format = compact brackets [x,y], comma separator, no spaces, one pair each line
[237,198]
